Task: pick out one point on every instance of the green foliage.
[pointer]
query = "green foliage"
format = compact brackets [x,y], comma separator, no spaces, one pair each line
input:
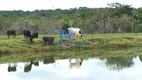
[138,28]
[116,18]
[65,26]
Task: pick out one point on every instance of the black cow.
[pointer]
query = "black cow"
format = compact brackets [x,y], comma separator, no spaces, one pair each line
[27,34]
[34,35]
[11,33]
[48,40]
[31,36]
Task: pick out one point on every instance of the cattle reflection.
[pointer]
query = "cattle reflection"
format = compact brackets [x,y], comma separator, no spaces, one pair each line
[76,64]
[49,59]
[36,63]
[28,66]
[12,68]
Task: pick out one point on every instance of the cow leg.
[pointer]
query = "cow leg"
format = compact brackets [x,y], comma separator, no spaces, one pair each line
[81,36]
[8,36]
[13,36]
[75,36]
[45,43]
[31,39]
[51,43]
[24,37]
[27,38]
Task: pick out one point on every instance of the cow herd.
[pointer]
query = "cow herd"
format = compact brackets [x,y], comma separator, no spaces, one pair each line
[29,36]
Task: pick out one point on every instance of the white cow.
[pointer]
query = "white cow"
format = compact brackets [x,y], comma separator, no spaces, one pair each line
[76,64]
[76,31]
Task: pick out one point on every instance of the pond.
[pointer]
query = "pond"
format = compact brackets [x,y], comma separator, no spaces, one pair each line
[110,68]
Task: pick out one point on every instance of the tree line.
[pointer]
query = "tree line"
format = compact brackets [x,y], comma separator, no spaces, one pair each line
[115,18]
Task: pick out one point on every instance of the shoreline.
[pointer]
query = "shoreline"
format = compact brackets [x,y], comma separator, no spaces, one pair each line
[89,42]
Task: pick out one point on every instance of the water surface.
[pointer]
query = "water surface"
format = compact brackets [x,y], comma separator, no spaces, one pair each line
[111,68]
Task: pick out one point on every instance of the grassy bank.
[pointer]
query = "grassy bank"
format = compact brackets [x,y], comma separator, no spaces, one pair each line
[96,41]
[85,54]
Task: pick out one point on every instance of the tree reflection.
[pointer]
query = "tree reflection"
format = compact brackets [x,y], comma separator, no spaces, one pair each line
[76,64]
[48,59]
[118,63]
[12,68]
[140,57]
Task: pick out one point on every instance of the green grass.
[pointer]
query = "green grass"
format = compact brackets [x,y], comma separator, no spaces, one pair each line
[19,45]
[85,54]
[125,44]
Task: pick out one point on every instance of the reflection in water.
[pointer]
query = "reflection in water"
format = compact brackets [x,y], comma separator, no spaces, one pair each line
[75,64]
[91,69]
[48,59]
[12,67]
[118,63]
[113,63]
[36,63]
[28,66]
[140,57]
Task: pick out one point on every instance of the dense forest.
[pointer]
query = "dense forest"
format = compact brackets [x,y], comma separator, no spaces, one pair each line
[116,18]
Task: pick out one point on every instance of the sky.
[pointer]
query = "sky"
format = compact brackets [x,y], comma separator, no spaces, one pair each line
[31,5]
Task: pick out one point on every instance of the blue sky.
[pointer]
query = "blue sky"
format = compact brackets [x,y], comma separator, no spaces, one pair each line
[30,5]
